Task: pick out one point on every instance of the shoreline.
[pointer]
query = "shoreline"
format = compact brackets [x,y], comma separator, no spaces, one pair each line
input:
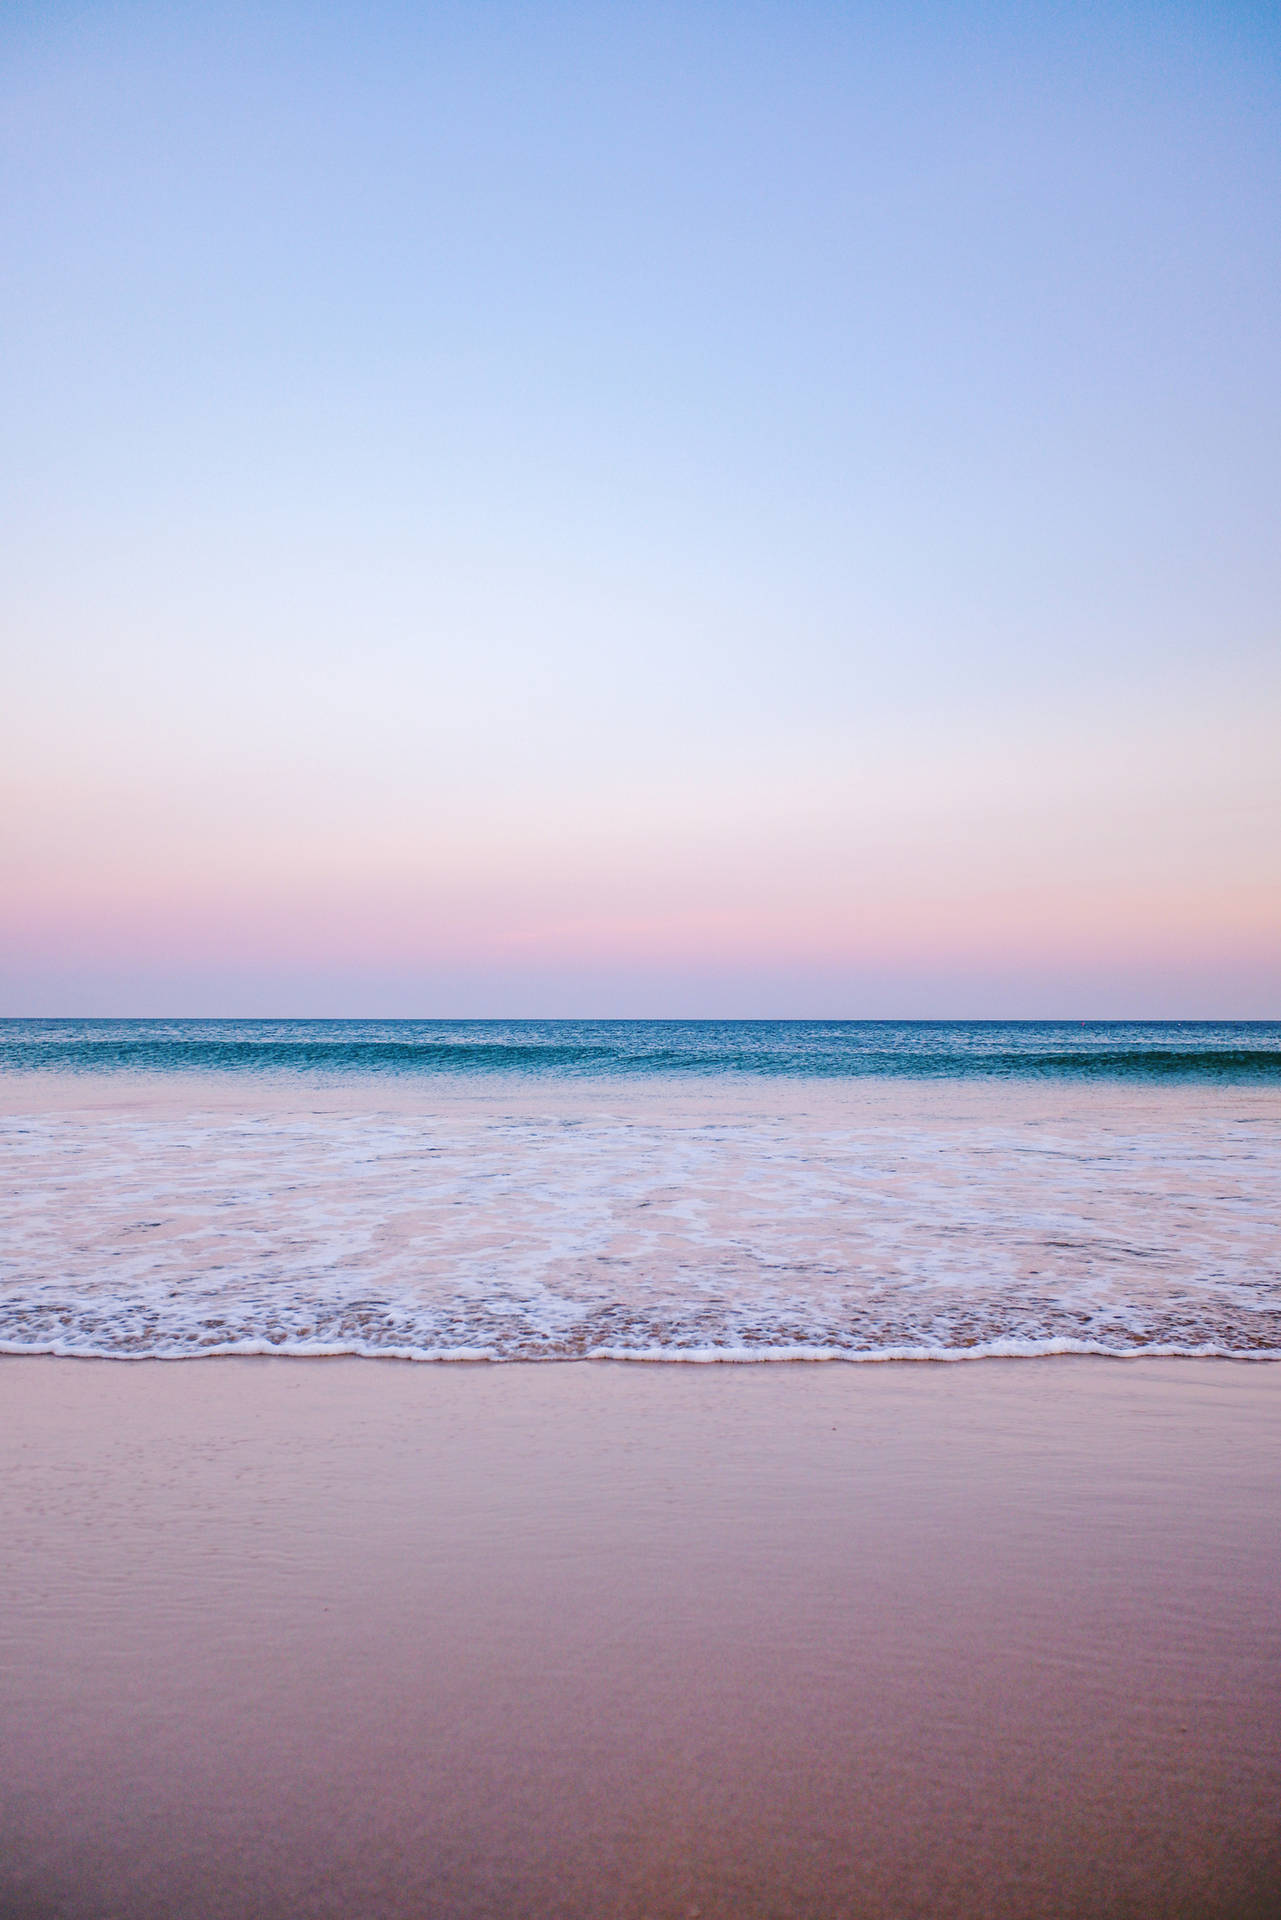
[993,1353]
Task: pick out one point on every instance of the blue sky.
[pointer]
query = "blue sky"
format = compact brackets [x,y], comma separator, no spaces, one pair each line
[614,509]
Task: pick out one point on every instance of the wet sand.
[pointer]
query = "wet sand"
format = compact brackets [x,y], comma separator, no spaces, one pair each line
[354,1638]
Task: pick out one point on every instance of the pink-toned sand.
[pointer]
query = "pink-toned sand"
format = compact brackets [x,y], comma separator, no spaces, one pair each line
[361,1639]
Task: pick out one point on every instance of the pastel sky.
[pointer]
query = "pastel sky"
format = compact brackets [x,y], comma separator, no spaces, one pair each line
[641,509]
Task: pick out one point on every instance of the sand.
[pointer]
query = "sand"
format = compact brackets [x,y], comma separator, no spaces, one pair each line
[367,1639]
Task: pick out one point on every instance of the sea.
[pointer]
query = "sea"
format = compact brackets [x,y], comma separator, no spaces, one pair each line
[695,1191]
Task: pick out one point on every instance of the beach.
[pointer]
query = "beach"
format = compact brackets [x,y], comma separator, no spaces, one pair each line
[640,994]
[351,1637]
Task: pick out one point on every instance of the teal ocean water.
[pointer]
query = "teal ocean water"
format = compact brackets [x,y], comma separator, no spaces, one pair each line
[793,1048]
[640,1190]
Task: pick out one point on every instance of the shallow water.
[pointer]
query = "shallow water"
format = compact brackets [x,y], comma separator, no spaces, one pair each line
[589,1202]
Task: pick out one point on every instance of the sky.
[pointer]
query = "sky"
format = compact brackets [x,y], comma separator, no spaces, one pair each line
[602,509]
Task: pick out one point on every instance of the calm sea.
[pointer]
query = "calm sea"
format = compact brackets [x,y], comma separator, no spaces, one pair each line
[632,1189]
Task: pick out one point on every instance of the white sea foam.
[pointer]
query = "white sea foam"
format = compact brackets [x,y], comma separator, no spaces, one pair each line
[717,1226]
[667,1356]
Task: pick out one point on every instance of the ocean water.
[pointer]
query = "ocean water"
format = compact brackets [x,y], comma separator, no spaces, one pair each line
[644,1190]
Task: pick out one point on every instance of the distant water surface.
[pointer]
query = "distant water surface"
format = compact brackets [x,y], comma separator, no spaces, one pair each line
[794,1048]
[672,1190]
